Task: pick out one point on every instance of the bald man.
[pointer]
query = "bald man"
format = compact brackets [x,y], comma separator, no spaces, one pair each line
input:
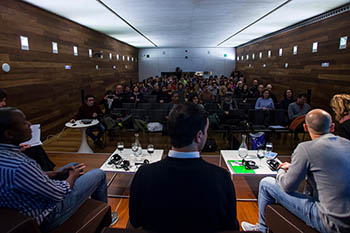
[325,163]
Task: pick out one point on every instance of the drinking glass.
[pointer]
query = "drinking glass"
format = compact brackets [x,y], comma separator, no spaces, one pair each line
[268,147]
[150,149]
[135,148]
[260,154]
[120,147]
[243,153]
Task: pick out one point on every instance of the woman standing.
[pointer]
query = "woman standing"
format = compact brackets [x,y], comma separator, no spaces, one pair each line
[340,104]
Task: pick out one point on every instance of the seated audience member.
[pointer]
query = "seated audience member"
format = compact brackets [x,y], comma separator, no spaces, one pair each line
[229,103]
[91,110]
[127,94]
[254,89]
[136,96]
[298,108]
[238,90]
[222,93]
[49,197]
[118,97]
[206,96]
[155,90]
[163,96]
[108,100]
[287,100]
[265,102]
[260,91]
[195,99]
[245,93]
[157,201]
[341,106]
[272,95]
[175,100]
[35,152]
[181,91]
[325,162]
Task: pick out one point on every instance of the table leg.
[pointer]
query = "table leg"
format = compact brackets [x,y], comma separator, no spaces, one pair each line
[84,146]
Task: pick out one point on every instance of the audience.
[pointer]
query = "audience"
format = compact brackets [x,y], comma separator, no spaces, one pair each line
[265,102]
[183,193]
[49,197]
[3,96]
[91,110]
[163,96]
[324,162]
[340,104]
[272,95]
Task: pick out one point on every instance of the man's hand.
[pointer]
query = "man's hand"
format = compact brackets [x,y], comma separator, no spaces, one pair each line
[72,121]
[284,166]
[24,146]
[74,173]
[64,173]
[94,115]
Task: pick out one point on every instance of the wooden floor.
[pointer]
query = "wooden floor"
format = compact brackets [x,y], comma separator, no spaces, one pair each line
[69,141]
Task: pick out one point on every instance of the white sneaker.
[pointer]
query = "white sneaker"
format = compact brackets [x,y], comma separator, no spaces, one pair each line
[115,218]
[246,226]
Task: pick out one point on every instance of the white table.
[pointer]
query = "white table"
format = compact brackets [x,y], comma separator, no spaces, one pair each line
[84,146]
[263,169]
[127,154]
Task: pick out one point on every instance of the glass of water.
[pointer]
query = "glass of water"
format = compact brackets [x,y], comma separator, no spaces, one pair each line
[120,147]
[150,149]
[268,147]
[260,154]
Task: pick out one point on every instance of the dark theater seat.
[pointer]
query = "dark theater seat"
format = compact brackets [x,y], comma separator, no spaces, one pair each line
[279,219]
[91,217]
[115,230]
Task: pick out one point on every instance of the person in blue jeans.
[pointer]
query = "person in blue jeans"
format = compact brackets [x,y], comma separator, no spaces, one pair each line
[324,163]
[48,197]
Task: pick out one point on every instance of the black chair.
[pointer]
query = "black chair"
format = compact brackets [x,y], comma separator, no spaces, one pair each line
[258,120]
[212,108]
[157,115]
[152,99]
[163,106]
[143,106]
[142,114]
[128,106]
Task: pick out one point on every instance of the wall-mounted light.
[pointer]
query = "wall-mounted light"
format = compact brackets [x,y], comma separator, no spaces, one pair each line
[264,65]
[24,42]
[123,58]
[314,47]
[242,58]
[237,58]
[269,53]
[128,58]
[6,67]
[325,64]
[247,57]
[54,47]
[117,56]
[110,56]
[280,52]
[295,50]
[75,50]
[253,56]
[90,52]
[286,65]
[342,42]
[67,67]
[260,55]
[97,67]
[114,67]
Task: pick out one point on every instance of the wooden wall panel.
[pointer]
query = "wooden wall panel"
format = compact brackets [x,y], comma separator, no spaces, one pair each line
[304,69]
[38,83]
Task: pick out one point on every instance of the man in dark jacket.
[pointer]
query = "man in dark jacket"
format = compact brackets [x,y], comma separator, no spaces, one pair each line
[184,193]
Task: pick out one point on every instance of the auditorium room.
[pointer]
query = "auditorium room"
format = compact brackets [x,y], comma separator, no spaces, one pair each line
[174,116]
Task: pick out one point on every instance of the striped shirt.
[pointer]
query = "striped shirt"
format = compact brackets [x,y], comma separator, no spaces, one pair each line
[25,187]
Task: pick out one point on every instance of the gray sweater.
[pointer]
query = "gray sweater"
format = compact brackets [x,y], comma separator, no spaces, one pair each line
[325,162]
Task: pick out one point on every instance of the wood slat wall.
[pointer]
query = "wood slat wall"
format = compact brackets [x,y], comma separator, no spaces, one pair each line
[38,82]
[304,69]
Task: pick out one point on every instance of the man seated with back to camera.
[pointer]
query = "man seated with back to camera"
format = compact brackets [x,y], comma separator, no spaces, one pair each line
[49,197]
[91,110]
[325,163]
[183,193]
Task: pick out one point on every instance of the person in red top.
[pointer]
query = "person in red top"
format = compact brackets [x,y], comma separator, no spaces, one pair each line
[91,110]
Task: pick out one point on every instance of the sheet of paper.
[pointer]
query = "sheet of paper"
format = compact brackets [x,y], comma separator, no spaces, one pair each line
[35,141]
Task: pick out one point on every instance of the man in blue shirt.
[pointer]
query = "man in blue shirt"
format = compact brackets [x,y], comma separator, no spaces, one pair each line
[49,197]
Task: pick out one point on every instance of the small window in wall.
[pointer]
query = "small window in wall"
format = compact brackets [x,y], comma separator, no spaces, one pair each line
[237,58]
[295,50]
[110,56]
[132,59]
[90,52]
[314,47]
[54,47]
[269,53]
[128,58]
[343,41]
[75,50]
[242,58]
[280,52]
[123,58]
[253,56]
[117,56]
[247,57]
[24,43]
[260,55]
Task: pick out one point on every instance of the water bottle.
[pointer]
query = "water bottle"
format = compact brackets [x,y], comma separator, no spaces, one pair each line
[137,143]
[243,149]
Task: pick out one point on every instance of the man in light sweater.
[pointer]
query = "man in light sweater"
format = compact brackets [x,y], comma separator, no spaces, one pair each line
[325,162]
